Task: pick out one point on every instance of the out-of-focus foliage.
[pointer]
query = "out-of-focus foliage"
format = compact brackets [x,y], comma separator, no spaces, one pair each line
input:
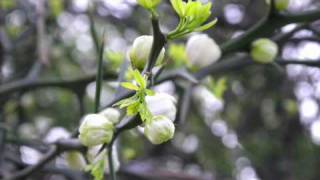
[259,122]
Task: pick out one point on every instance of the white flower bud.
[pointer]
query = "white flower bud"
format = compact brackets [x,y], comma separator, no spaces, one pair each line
[159,130]
[95,129]
[111,114]
[162,104]
[264,50]
[75,160]
[208,103]
[29,155]
[202,51]
[56,133]
[140,51]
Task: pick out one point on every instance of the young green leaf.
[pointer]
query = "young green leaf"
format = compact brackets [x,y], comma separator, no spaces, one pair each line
[150,92]
[133,109]
[218,87]
[192,15]
[206,26]
[144,112]
[139,79]
[179,7]
[97,168]
[130,86]
[126,102]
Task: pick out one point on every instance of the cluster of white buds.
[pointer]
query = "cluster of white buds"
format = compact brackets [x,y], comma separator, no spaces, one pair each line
[97,129]
[163,108]
[140,52]
[202,51]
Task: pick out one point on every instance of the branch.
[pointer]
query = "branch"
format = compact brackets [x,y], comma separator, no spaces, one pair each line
[56,149]
[42,44]
[311,63]
[159,41]
[27,84]
[307,16]
[266,26]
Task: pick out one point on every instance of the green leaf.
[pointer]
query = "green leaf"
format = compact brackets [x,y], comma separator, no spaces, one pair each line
[139,79]
[177,54]
[126,102]
[97,170]
[150,92]
[133,109]
[115,59]
[7,4]
[56,7]
[144,112]
[218,87]
[206,26]
[179,6]
[148,4]
[130,86]
[192,15]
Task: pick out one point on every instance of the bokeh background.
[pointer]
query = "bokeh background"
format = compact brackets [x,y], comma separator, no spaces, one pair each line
[265,125]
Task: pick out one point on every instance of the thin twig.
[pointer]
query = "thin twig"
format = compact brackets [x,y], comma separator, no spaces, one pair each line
[159,41]
[99,77]
[42,44]
[56,149]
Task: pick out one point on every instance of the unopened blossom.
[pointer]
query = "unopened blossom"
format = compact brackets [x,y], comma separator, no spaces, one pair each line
[140,52]
[202,51]
[162,104]
[75,160]
[159,130]
[111,114]
[264,50]
[95,129]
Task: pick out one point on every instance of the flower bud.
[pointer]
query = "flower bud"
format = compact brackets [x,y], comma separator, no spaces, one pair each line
[140,51]
[202,51]
[264,50]
[148,4]
[159,130]
[111,114]
[95,129]
[280,5]
[162,104]
[207,103]
[75,160]
[55,134]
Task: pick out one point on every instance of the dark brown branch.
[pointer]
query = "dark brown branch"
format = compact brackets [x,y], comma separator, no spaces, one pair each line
[311,63]
[26,84]
[159,41]
[266,26]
